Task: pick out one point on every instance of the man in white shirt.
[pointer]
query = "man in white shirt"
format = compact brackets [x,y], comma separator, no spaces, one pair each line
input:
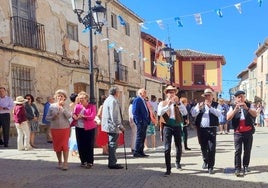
[207,120]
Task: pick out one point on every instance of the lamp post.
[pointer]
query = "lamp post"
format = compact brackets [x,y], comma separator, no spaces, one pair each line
[93,19]
[170,56]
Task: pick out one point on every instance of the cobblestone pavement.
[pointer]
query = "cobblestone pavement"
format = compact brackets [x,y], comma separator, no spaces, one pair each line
[37,168]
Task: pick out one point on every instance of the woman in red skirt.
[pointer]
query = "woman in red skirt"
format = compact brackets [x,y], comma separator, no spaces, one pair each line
[59,115]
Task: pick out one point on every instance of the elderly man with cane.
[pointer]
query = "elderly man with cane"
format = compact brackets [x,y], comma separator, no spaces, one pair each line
[112,124]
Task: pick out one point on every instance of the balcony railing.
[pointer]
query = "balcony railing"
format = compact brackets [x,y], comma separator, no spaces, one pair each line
[27,33]
[121,73]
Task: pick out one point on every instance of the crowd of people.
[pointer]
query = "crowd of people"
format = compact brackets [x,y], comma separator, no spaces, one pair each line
[80,126]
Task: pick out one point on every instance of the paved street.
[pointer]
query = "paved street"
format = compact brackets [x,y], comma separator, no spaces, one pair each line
[37,168]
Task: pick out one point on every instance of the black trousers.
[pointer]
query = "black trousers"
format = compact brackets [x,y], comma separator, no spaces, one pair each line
[207,138]
[242,140]
[5,124]
[85,143]
[170,131]
[185,136]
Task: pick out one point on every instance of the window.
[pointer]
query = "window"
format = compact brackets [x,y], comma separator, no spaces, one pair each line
[24,9]
[22,82]
[72,31]
[132,94]
[78,87]
[117,56]
[26,31]
[114,21]
[121,71]
[127,29]
[135,64]
[262,63]
[199,74]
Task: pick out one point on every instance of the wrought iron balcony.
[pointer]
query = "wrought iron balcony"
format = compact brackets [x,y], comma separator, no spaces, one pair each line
[28,33]
[121,73]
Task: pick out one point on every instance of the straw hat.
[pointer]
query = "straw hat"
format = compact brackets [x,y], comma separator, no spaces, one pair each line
[168,88]
[207,92]
[20,100]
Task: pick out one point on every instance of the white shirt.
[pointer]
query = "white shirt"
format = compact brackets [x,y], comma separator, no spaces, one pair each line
[163,109]
[205,118]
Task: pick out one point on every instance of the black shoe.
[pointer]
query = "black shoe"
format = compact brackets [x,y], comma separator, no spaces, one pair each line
[1,142]
[6,145]
[205,165]
[117,166]
[178,166]
[145,155]
[188,149]
[167,173]
[210,171]
[140,155]
[246,170]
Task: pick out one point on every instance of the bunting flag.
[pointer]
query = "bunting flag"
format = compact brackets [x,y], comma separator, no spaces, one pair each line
[178,22]
[142,26]
[112,45]
[260,2]
[219,13]
[120,49]
[86,30]
[104,39]
[122,21]
[160,24]
[238,7]
[198,18]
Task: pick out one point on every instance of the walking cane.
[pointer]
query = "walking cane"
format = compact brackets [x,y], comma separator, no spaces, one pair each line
[125,150]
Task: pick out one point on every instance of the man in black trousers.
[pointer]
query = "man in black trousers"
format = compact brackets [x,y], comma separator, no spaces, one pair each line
[243,115]
[207,122]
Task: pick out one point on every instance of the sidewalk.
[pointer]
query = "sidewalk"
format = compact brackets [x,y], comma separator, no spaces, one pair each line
[37,168]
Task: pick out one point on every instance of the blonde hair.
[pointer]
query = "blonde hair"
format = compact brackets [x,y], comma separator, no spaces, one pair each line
[183,100]
[83,94]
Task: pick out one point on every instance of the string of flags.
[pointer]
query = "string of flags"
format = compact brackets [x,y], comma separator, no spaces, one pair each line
[160,23]
[198,16]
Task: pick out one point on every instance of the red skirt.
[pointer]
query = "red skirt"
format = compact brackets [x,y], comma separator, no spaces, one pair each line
[60,138]
[102,138]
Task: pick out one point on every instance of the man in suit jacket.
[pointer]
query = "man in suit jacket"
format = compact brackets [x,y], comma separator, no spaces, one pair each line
[141,117]
[112,123]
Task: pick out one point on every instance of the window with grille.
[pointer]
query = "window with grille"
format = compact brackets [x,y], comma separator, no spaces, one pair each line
[22,82]
[72,31]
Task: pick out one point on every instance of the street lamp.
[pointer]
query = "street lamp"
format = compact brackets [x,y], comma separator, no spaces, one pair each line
[93,19]
[170,55]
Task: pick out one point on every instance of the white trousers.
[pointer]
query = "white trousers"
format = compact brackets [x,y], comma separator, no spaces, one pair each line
[23,139]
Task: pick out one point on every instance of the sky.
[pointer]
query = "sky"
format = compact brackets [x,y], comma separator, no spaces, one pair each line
[234,35]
